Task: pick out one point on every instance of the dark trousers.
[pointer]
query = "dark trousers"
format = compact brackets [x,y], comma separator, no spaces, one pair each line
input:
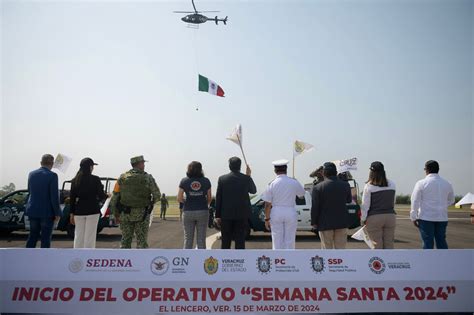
[233,230]
[40,228]
[431,230]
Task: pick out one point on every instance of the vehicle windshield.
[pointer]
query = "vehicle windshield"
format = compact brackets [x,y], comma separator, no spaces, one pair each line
[255,199]
[17,198]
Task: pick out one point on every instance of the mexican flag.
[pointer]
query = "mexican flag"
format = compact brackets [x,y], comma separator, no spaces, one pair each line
[206,85]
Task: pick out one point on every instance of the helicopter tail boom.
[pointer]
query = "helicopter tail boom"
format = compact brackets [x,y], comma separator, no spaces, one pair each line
[216,19]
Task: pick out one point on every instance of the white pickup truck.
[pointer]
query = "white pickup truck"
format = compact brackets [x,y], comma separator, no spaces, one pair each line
[303,208]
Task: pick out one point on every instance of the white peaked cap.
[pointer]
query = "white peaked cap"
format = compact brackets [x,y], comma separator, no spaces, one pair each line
[282,162]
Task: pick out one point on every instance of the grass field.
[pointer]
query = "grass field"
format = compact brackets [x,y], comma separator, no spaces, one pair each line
[173,210]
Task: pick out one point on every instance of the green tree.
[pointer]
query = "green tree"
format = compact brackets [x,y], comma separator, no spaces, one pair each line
[7,189]
[403,199]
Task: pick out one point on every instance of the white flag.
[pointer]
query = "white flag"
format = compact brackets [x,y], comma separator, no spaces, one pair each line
[301,147]
[236,135]
[346,165]
[468,199]
[106,204]
[362,235]
[62,162]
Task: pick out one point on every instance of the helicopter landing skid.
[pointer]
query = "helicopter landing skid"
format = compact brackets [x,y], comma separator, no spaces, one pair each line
[195,26]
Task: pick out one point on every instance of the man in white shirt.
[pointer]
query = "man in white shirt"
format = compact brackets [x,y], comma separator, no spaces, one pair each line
[430,200]
[280,202]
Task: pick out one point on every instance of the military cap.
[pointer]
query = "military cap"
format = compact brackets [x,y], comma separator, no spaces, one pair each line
[280,163]
[137,159]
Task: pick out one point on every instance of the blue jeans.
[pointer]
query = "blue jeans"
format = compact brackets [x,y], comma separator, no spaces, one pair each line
[430,230]
[40,227]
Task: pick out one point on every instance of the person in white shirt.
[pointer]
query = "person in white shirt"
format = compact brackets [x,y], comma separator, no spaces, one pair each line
[280,202]
[430,200]
[378,211]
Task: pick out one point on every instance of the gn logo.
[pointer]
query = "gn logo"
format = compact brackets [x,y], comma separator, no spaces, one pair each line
[181,261]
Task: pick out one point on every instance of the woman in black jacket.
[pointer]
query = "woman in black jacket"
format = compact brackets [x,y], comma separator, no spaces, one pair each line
[87,192]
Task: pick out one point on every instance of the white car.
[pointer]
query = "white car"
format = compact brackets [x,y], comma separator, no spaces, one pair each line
[303,208]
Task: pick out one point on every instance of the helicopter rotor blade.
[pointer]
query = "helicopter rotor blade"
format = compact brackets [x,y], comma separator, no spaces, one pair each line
[195,10]
[208,11]
[183,12]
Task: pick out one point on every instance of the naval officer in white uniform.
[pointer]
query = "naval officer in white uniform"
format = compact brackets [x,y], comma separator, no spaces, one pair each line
[280,212]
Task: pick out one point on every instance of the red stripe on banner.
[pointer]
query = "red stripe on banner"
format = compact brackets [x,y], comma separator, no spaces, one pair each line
[220,91]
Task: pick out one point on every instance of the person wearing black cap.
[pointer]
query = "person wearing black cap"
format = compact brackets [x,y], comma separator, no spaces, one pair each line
[86,193]
[430,200]
[328,210]
[378,212]
[42,207]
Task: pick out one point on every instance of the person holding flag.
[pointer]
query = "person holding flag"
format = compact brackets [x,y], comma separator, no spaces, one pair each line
[233,204]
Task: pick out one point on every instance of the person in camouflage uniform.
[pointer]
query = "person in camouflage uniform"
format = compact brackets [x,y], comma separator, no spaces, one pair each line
[164,205]
[134,192]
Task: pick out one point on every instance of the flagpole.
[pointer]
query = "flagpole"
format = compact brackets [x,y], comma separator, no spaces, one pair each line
[242,150]
[293,165]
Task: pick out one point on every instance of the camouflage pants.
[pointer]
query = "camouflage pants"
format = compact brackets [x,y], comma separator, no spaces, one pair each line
[138,228]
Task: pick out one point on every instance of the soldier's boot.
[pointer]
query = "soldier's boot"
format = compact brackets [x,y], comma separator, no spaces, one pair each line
[141,231]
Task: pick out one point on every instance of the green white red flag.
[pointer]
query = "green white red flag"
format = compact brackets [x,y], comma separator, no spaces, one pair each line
[206,85]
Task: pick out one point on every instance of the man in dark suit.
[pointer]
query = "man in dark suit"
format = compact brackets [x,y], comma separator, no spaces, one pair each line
[329,211]
[233,204]
[42,207]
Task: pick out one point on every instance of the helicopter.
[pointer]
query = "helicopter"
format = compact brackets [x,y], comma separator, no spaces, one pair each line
[196,18]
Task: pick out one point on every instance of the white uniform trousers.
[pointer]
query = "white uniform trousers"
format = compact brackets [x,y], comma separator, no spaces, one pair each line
[86,230]
[283,221]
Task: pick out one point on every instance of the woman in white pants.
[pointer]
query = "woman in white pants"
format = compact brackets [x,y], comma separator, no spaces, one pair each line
[87,192]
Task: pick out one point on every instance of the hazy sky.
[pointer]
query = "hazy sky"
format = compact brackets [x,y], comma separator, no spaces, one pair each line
[378,80]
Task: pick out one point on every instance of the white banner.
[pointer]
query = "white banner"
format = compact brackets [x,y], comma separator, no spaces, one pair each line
[346,165]
[235,281]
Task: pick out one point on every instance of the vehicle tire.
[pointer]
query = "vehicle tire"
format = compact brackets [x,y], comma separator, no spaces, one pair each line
[70,230]
[5,232]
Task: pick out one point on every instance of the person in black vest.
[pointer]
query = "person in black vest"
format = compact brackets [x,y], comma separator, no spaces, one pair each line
[328,210]
[233,204]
